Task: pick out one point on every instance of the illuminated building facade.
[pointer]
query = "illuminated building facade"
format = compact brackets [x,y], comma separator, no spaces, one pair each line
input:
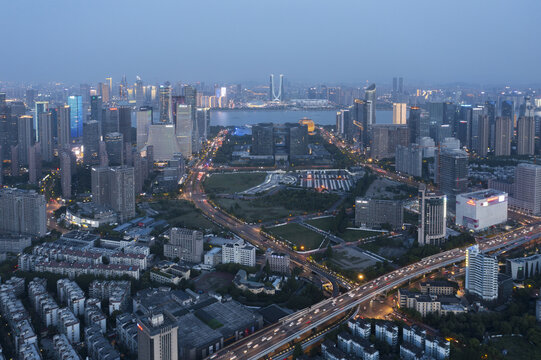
[481,209]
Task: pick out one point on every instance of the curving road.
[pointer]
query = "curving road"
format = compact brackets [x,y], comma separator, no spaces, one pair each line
[268,340]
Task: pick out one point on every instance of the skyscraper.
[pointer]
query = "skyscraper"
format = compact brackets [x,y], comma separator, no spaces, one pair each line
[124,123]
[114,144]
[433,218]
[481,141]
[477,113]
[184,130]
[25,137]
[503,136]
[202,116]
[65,172]
[409,160]
[75,103]
[453,172]
[45,126]
[157,337]
[360,113]
[298,141]
[185,244]
[166,111]
[418,124]
[399,113]
[527,194]
[481,274]
[39,107]
[490,111]
[23,212]
[114,187]
[63,126]
[96,108]
[526,136]
[91,142]
[262,139]
[110,121]
[143,122]
[370,98]
[34,163]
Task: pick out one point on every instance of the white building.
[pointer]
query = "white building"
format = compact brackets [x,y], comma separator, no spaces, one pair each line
[388,332]
[480,210]
[213,257]
[481,274]
[527,196]
[71,294]
[69,325]
[63,349]
[433,212]
[239,253]
[437,348]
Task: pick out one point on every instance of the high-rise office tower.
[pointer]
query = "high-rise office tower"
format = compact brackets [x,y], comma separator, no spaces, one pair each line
[202,116]
[63,126]
[157,337]
[143,122]
[114,187]
[114,144]
[96,108]
[30,96]
[91,142]
[477,112]
[526,136]
[344,124]
[418,124]
[23,212]
[450,115]
[386,138]
[75,103]
[128,154]
[104,160]
[409,160]
[433,218]
[45,126]
[360,115]
[124,123]
[39,107]
[25,137]
[370,98]
[65,172]
[490,111]
[139,92]
[103,91]
[453,172]
[190,96]
[166,111]
[34,163]
[298,141]
[508,111]
[184,244]
[262,139]
[503,136]
[399,113]
[464,125]
[5,119]
[481,274]
[527,194]
[184,130]
[14,160]
[481,141]
[110,121]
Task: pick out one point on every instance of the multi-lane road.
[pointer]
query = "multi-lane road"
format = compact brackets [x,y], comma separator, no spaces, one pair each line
[268,340]
[272,338]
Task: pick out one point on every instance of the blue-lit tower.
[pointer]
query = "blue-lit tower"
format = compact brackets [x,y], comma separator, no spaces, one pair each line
[75,102]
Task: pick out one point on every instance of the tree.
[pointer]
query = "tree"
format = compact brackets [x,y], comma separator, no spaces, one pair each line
[328,252]
[297,351]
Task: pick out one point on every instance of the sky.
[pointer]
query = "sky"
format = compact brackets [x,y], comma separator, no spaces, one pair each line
[338,41]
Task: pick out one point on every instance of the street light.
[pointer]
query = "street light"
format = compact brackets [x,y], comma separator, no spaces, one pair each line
[361,276]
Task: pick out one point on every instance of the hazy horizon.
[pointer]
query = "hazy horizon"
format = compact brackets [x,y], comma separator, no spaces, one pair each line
[352,42]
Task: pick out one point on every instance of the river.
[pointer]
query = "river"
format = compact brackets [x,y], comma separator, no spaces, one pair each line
[244,117]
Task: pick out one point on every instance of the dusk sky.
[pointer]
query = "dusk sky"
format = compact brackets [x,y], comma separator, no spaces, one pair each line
[348,41]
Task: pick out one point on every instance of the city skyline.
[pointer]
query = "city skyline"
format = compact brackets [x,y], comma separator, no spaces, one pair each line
[247,41]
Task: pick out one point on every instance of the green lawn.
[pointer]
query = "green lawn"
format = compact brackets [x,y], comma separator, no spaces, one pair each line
[253,212]
[298,235]
[321,223]
[232,182]
[182,213]
[348,235]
